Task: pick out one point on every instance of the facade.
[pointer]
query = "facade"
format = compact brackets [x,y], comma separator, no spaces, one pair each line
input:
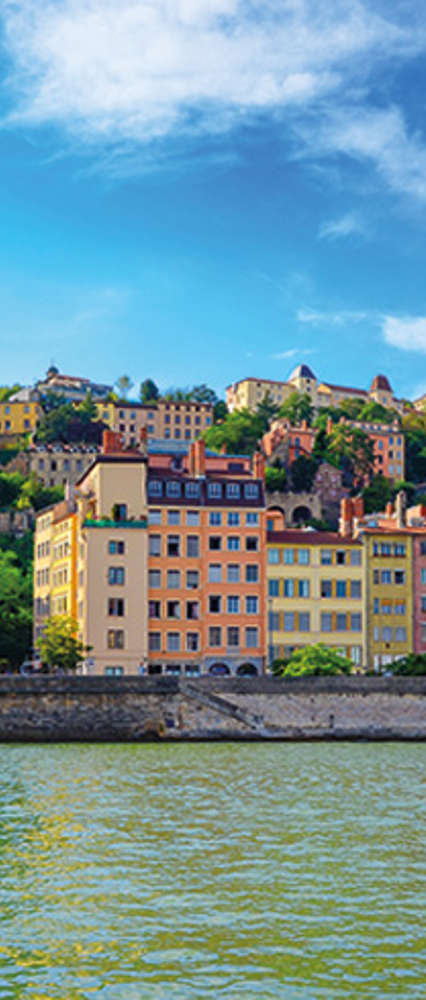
[389,557]
[19,417]
[316,593]
[57,465]
[164,420]
[73,388]
[249,392]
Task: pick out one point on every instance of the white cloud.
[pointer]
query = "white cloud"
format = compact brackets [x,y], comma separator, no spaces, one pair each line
[339,318]
[346,225]
[407,333]
[137,70]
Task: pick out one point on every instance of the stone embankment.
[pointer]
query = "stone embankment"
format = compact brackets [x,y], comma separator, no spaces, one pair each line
[211,708]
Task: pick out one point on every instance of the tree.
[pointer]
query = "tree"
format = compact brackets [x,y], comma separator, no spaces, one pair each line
[11,484]
[351,408]
[220,411]
[239,432]
[15,609]
[414,665]
[303,473]
[316,660]
[267,409]
[275,478]
[376,413]
[352,450]
[86,411]
[34,494]
[296,408]
[204,394]
[59,646]
[54,426]
[124,385]
[148,392]
[6,391]
[377,494]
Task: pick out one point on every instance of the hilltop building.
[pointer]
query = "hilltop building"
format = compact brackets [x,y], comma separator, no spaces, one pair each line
[249,392]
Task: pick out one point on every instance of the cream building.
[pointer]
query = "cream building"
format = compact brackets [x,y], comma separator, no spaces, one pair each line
[175,421]
[249,392]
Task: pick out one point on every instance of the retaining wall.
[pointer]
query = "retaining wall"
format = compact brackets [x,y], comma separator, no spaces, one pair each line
[213,708]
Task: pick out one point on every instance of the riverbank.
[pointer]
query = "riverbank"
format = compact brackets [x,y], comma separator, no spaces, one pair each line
[63,709]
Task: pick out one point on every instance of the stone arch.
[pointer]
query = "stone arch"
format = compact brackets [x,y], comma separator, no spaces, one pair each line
[219,669]
[301,514]
[247,670]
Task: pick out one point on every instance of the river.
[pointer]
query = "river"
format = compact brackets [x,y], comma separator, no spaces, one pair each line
[198,871]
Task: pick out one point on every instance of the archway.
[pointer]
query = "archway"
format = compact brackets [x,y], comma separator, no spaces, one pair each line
[301,515]
[247,670]
[219,669]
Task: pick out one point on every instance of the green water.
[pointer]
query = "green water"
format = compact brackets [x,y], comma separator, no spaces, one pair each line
[238,871]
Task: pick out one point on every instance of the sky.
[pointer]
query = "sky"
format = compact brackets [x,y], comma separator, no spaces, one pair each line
[203,190]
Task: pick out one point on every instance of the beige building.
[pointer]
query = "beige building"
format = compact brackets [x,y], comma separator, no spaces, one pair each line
[57,465]
[249,392]
[174,421]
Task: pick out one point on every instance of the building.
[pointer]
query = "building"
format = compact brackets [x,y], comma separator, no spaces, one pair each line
[184,595]
[249,392]
[19,416]
[163,420]
[316,592]
[59,464]
[73,388]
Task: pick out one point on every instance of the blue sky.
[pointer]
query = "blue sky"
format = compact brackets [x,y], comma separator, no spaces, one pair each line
[199,190]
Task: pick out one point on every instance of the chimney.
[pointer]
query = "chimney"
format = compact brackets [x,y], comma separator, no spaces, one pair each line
[258,465]
[197,458]
[69,495]
[223,449]
[389,509]
[329,426]
[401,509]
[358,507]
[304,425]
[346,516]
[112,442]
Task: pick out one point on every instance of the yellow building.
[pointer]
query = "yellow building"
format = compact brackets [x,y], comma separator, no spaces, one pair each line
[249,392]
[18,417]
[63,561]
[316,589]
[389,605]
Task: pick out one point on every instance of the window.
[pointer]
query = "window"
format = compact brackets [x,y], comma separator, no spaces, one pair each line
[154,578]
[115,638]
[251,491]
[233,518]
[386,576]
[375,549]
[273,588]
[288,556]
[215,635]
[192,642]
[214,491]
[252,605]
[154,545]
[355,558]
[289,588]
[173,642]
[340,557]
[154,609]
[386,609]
[400,609]
[192,610]
[193,518]
[192,579]
[386,633]
[215,573]
[173,579]
[400,550]
[155,488]
[385,549]
[116,548]
[326,623]
[233,573]
[232,635]
[423,576]
[192,490]
[303,588]
[341,623]
[215,518]
[114,671]
[289,621]
[173,517]
[173,545]
[252,543]
[233,605]
[304,621]
[399,576]
[215,604]
[252,574]
[116,575]
[252,637]
[326,557]
[273,621]
[215,542]
[356,623]
[252,518]
[173,488]
[376,576]
[154,517]
[273,556]
[423,548]
[233,491]
[355,588]
[340,588]
[326,588]
[173,609]
[116,606]
[303,557]
[376,633]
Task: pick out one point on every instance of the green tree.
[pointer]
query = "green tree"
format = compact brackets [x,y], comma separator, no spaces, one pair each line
[267,409]
[351,450]
[414,665]
[124,385]
[351,408]
[11,484]
[55,424]
[203,394]
[15,610]
[377,494]
[275,478]
[59,646]
[220,411]
[296,408]
[376,413]
[34,494]
[316,660]
[240,432]
[302,473]
[86,411]
[148,392]
[6,391]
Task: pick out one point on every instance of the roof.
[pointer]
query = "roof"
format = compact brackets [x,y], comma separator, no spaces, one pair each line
[253,378]
[380,382]
[300,536]
[344,388]
[302,371]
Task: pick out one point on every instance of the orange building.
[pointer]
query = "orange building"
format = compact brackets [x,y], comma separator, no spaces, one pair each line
[206,567]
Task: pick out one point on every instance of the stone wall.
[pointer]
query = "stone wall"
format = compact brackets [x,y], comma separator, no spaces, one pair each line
[137,708]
